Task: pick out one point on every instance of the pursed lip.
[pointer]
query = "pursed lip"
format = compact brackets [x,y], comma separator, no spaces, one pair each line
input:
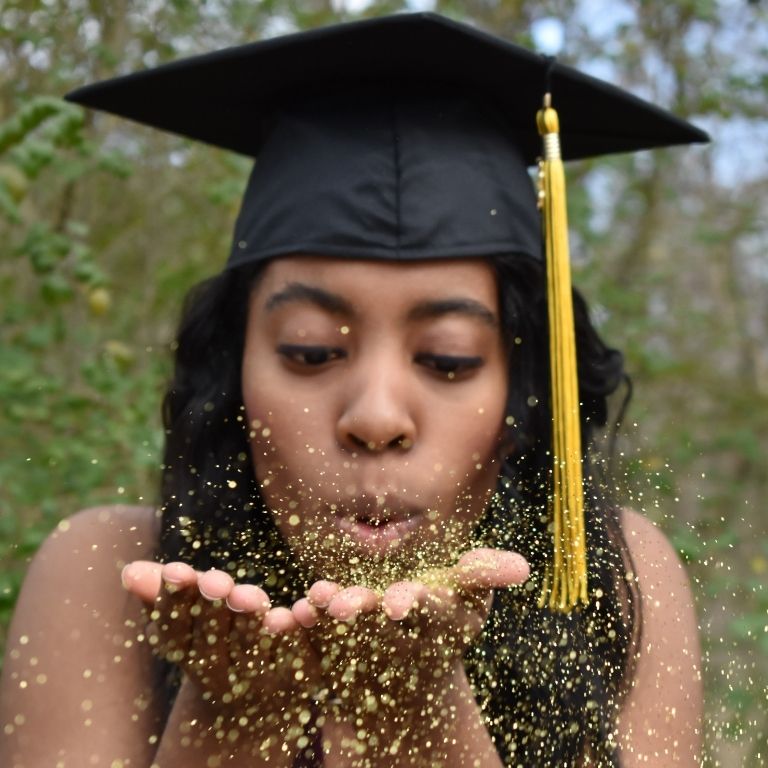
[377,509]
[378,522]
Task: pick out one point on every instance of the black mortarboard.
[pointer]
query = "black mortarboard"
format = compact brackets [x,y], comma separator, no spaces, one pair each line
[408,137]
[398,137]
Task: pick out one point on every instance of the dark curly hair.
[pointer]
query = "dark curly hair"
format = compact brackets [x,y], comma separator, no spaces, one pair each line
[549,684]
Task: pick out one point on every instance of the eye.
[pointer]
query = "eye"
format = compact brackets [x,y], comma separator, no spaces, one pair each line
[449,366]
[309,355]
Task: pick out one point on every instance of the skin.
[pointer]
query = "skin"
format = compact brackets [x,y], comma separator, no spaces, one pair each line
[382,407]
[404,409]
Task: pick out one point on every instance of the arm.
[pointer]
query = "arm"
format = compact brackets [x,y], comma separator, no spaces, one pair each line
[77,688]
[660,723]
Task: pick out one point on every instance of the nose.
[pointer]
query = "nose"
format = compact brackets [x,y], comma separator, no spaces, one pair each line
[376,416]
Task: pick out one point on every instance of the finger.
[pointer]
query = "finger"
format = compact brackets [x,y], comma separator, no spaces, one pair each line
[211,625]
[178,576]
[172,612]
[349,603]
[489,569]
[280,621]
[246,659]
[209,643]
[402,597]
[321,593]
[247,598]
[459,613]
[305,613]
[215,585]
[142,578]
[297,661]
[245,632]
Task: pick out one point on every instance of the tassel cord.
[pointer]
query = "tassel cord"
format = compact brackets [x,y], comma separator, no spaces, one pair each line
[565,583]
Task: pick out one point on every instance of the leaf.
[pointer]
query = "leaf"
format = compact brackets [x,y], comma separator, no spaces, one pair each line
[56,289]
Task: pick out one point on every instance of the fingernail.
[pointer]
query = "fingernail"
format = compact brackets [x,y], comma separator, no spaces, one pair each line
[124,574]
[175,573]
[234,610]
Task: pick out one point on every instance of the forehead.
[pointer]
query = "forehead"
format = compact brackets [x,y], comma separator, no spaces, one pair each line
[383,282]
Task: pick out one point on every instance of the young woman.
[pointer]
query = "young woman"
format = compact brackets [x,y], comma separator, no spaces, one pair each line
[353,532]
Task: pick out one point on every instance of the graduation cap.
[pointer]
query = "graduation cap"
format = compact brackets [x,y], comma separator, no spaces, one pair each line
[410,137]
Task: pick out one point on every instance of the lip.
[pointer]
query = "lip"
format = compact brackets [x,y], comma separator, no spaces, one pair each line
[378,527]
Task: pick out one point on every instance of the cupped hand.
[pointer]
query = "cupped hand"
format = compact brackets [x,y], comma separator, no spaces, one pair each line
[395,648]
[244,655]
[379,654]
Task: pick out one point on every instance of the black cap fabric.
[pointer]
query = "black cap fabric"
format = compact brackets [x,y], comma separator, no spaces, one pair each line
[401,137]
[395,177]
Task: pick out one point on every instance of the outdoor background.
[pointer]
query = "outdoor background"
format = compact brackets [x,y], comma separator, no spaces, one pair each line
[104,226]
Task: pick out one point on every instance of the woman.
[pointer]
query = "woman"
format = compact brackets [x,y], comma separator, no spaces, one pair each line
[358,449]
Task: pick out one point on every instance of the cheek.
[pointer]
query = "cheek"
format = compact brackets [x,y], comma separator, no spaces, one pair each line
[476,432]
[476,449]
[285,437]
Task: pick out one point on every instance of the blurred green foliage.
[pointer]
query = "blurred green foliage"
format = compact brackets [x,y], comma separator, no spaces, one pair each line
[104,226]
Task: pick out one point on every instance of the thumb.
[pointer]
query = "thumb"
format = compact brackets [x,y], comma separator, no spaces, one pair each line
[142,578]
[485,568]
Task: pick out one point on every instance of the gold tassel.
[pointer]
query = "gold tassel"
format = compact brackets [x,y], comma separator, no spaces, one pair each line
[565,582]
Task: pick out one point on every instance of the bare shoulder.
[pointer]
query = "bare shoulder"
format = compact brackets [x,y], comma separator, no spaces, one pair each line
[84,555]
[660,723]
[73,644]
[101,536]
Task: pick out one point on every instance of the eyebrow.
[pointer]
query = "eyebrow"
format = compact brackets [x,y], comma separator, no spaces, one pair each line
[300,292]
[428,310]
[424,310]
